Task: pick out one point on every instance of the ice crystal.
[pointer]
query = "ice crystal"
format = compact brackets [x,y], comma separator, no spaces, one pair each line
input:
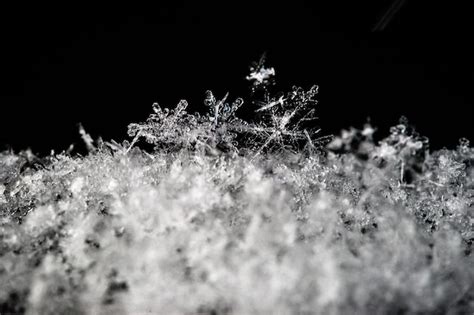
[284,124]
[260,75]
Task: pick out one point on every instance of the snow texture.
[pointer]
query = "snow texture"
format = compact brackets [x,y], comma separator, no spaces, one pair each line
[225,216]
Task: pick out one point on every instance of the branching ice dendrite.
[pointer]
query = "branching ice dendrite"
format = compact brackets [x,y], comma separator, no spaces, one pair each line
[284,121]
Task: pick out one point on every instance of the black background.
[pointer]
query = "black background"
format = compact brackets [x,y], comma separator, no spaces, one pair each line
[105,65]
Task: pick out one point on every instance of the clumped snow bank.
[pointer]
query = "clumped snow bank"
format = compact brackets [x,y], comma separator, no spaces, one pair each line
[230,217]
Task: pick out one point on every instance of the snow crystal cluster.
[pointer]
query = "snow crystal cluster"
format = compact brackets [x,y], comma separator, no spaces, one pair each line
[226,216]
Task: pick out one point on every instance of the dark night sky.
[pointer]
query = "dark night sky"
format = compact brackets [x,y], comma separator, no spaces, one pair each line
[105,66]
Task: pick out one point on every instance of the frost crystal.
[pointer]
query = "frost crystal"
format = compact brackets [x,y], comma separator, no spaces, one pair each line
[261,75]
